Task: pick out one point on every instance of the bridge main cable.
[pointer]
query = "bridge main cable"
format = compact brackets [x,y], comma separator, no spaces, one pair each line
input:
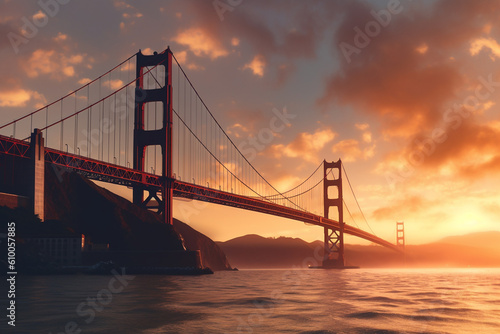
[231,141]
[67,95]
[91,105]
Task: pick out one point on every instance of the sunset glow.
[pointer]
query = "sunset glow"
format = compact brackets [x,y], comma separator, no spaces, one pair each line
[407,95]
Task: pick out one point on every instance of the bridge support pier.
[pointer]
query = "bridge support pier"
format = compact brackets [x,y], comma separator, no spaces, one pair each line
[161,137]
[37,166]
[334,240]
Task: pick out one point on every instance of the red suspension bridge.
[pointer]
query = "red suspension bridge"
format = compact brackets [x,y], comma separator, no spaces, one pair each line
[143,125]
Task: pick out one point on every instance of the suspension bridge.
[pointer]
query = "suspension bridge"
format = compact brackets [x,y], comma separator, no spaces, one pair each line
[143,124]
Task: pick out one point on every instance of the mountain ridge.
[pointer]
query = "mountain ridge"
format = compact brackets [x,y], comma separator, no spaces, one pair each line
[254,251]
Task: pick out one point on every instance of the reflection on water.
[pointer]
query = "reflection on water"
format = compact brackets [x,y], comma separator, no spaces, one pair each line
[264,301]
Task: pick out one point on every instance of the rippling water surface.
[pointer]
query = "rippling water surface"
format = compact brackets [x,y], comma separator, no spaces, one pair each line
[265,301]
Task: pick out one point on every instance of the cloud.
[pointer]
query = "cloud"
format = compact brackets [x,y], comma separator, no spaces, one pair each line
[485,43]
[350,150]
[38,16]
[305,146]
[238,130]
[295,32]
[182,58]
[404,75]
[257,65]
[401,208]
[201,43]
[20,98]
[60,37]
[422,49]
[367,135]
[49,62]
[468,153]
[114,84]
[14,98]
[84,81]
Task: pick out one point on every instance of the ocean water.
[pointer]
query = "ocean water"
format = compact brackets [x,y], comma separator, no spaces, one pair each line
[263,301]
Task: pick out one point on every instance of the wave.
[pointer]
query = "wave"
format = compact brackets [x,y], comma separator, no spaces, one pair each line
[385,300]
[376,315]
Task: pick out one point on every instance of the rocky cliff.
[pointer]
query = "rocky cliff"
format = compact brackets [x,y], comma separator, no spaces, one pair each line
[107,218]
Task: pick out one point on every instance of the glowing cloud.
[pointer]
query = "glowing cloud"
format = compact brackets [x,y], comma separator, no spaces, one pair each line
[257,65]
[422,49]
[113,84]
[60,37]
[489,43]
[19,98]
[182,57]
[39,16]
[16,98]
[350,150]
[305,145]
[200,43]
[49,62]
[84,81]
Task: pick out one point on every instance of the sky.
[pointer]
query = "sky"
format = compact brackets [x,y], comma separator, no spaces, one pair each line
[405,92]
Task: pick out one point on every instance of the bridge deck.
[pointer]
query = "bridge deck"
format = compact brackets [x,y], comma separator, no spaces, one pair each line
[102,171]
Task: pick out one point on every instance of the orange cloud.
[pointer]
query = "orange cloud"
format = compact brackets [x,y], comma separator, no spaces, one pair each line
[403,207]
[367,135]
[257,65]
[84,81]
[305,146]
[20,98]
[113,84]
[238,130]
[422,49]
[58,65]
[182,58]
[38,16]
[485,43]
[468,153]
[201,43]
[350,150]
[15,98]
[60,37]
[396,77]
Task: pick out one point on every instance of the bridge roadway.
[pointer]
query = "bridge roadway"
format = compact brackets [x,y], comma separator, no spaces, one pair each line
[111,173]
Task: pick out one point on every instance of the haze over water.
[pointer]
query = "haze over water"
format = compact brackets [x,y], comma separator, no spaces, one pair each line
[270,301]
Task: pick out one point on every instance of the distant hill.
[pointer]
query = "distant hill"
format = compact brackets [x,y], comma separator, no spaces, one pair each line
[474,250]
[254,251]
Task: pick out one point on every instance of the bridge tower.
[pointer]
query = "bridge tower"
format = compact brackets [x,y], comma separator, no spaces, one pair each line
[37,175]
[334,240]
[400,234]
[161,137]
